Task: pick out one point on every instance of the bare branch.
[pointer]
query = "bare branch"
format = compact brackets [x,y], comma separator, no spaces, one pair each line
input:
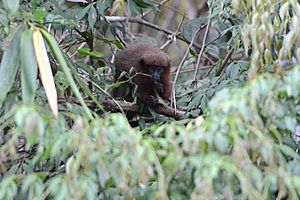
[222,67]
[146,23]
[110,105]
[203,42]
[202,50]
[173,36]
[181,64]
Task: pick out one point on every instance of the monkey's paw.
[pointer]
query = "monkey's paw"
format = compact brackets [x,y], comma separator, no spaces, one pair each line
[152,101]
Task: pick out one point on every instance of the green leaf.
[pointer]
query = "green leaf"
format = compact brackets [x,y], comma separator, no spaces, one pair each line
[288,151]
[92,17]
[39,14]
[9,66]
[58,19]
[61,82]
[3,18]
[88,52]
[290,123]
[133,7]
[11,6]
[9,189]
[101,7]
[142,3]
[83,12]
[59,56]
[232,71]
[118,44]
[33,184]
[83,86]
[221,142]
[29,67]
[193,53]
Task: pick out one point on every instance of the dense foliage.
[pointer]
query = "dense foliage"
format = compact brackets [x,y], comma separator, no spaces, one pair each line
[243,146]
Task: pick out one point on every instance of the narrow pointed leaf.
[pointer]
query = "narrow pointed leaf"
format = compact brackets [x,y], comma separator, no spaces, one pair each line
[92,17]
[45,70]
[11,5]
[83,86]
[59,56]
[9,67]
[29,67]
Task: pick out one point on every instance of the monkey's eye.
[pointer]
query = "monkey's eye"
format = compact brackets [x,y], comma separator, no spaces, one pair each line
[151,69]
[155,70]
[160,70]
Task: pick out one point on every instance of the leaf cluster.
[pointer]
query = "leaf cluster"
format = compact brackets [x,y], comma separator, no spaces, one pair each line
[241,149]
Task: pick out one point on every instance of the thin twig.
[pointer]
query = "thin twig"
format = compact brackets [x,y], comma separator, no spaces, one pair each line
[223,65]
[181,64]
[169,18]
[203,43]
[107,94]
[156,6]
[146,23]
[202,50]
[192,70]
[127,106]
[173,36]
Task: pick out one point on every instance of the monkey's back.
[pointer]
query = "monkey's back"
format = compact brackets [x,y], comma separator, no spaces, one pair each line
[131,56]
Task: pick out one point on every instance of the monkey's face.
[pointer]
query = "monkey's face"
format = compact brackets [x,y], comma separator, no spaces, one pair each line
[155,72]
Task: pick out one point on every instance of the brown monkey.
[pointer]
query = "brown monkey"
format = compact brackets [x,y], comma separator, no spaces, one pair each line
[153,72]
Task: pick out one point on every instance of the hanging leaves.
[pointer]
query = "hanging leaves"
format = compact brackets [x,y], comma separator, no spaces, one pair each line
[9,66]
[45,70]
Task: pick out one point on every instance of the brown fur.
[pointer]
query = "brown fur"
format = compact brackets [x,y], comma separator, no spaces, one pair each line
[140,57]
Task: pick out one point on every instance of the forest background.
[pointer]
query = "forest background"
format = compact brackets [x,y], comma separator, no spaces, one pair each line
[231,130]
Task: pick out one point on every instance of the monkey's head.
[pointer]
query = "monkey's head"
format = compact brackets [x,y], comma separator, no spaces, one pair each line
[155,64]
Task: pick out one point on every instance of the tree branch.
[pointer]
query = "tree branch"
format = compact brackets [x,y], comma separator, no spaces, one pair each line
[146,23]
[110,105]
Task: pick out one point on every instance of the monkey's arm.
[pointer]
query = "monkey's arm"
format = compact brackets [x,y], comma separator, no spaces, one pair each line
[158,87]
[166,83]
[147,96]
